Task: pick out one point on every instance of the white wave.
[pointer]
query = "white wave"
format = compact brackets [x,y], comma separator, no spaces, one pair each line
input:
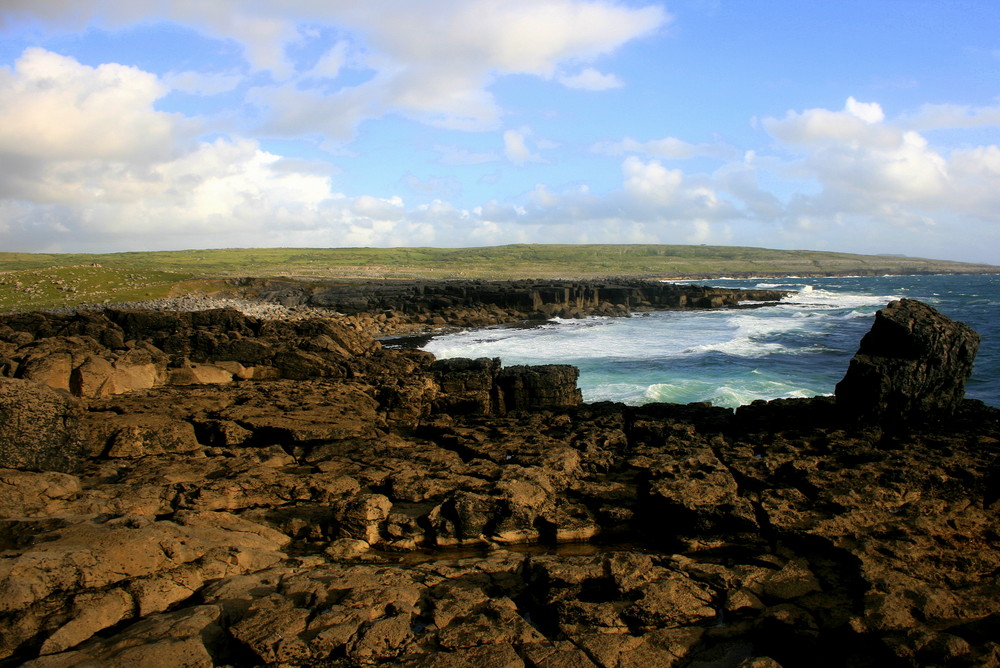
[826,299]
[741,347]
[624,392]
[727,395]
[749,331]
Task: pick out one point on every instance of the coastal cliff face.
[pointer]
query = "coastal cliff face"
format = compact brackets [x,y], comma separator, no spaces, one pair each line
[214,489]
[480,303]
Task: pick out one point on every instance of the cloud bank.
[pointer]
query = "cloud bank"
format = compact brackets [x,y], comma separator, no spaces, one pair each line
[93,162]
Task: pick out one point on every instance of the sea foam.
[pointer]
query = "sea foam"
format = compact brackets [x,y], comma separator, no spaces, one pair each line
[798,347]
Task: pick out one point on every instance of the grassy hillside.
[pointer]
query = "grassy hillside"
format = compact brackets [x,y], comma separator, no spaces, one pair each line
[37,280]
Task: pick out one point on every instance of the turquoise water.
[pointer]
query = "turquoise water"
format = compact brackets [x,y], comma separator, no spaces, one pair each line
[798,348]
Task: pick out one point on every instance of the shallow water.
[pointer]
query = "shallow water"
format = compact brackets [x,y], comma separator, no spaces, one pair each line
[798,348]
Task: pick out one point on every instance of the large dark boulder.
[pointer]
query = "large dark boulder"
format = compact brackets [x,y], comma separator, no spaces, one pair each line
[37,427]
[482,386]
[912,365]
[539,387]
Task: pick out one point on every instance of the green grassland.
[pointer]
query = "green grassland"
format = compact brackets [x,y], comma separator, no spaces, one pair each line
[36,280]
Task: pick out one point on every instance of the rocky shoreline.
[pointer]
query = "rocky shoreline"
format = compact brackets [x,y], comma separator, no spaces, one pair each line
[206,488]
[397,307]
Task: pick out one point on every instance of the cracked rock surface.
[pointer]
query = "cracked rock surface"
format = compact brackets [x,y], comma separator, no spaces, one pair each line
[352,506]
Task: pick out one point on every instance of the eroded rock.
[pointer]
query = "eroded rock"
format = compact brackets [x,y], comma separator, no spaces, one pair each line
[912,365]
[38,427]
[388,509]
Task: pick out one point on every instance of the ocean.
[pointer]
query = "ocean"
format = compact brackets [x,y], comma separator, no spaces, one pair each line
[798,348]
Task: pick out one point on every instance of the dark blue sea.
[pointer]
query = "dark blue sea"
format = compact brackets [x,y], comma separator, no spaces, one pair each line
[798,348]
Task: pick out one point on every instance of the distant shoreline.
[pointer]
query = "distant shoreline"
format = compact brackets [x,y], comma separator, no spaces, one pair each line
[39,280]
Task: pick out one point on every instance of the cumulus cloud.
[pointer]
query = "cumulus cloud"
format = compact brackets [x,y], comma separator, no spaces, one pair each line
[866,178]
[656,192]
[857,123]
[591,79]
[103,166]
[869,112]
[53,107]
[859,160]
[515,147]
[433,61]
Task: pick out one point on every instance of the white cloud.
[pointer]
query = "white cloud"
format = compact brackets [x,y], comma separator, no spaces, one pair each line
[859,160]
[52,107]
[433,61]
[655,192]
[936,116]
[104,167]
[435,185]
[869,112]
[591,79]
[517,36]
[515,147]
[822,126]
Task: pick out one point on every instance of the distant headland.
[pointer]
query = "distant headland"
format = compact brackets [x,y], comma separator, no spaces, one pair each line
[40,280]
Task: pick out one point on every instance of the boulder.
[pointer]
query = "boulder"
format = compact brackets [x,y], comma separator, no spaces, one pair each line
[467,384]
[51,361]
[539,387]
[37,427]
[98,376]
[912,364]
[144,435]
[481,386]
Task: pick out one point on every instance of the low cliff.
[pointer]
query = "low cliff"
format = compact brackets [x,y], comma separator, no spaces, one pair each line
[530,298]
[335,503]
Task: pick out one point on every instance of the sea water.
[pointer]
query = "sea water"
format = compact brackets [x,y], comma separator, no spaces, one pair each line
[799,347]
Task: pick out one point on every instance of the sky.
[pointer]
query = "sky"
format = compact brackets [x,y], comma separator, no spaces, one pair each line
[864,126]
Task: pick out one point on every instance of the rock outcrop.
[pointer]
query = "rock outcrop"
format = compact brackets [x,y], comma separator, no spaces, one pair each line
[418,513]
[97,354]
[484,386]
[911,366]
[481,302]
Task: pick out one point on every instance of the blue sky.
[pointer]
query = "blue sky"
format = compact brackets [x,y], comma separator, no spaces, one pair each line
[868,127]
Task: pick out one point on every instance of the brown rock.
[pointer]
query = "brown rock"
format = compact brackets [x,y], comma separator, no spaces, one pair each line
[51,361]
[199,374]
[674,600]
[37,427]
[180,638]
[912,364]
[144,435]
[28,493]
[270,629]
[539,387]
[92,612]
